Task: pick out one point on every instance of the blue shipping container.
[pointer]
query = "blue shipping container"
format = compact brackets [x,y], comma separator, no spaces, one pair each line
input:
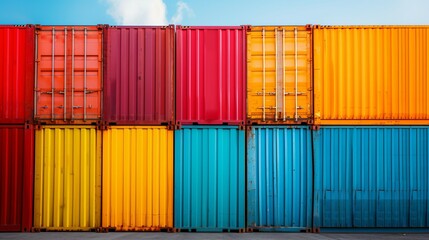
[209,173]
[371,177]
[279,178]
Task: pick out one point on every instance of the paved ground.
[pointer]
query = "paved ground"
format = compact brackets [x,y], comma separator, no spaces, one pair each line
[190,236]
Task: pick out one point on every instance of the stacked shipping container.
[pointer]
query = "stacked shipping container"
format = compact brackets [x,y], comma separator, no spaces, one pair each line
[16,135]
[138,152]
[279,157]
[209,159]
[68,94]
[106,100]
[371,176]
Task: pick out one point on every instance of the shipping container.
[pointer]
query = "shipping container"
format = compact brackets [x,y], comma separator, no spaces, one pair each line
[279,178]
[371,75]
[210,75]
[67,189]
[139,75]
[16,177]
[371,177]
[16,74]
[137,178]
[209,173]
[279,75]
[68,81]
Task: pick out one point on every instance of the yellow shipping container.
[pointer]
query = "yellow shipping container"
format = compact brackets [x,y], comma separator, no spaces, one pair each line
[279,75]
[137,178]
[371,75]
[67,189]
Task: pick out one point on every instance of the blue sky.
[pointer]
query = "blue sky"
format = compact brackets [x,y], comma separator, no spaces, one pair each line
[215,12]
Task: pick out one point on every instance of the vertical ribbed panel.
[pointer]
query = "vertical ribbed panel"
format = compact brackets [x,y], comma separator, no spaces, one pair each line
[209,187]
[67,190]
[137,178]
[279,178]
[279,74]
[371,177]
[210,75]
[139,75]
[16,74]
[16,178]
[371,75]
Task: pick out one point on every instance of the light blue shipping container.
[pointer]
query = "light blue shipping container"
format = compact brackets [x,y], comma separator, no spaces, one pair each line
[209,173]
[279,178]
[371,177]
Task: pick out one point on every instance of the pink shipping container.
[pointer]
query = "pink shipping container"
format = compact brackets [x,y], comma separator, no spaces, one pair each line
[139,75]
[16,74]
[16,177]
[210,75]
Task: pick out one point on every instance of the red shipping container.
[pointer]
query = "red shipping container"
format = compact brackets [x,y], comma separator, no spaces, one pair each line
[16,74]
[139,75]
[210,75]
[16,177]
[68,81]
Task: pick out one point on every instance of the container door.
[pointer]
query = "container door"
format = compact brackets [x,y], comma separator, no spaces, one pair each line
[279,85]
[68,74]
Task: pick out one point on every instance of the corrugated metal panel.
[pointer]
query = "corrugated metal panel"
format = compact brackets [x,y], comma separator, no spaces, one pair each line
[16,178]
[279,70]
[137,178]
[279,178]
[209,187]
[371,75]
[68,82]
[67,190]
[371,177]
[16,74]
[210,75]
[139,75]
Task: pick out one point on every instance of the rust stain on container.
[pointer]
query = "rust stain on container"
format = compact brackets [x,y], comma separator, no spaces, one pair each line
[139,75]
[16,74]
[68,82]
[279,75]
[16,177]
[210,75]
[371,75]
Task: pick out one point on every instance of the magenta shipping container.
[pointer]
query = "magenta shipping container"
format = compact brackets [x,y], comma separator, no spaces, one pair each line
[16,74]
[210,75]
[139,75]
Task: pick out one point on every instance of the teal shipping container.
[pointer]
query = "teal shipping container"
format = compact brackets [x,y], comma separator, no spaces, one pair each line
[371,178]
[279,178]
[209,173]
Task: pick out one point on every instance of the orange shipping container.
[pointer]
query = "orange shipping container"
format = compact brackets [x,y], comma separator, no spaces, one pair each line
[371,75]
[279,76]
[68,81]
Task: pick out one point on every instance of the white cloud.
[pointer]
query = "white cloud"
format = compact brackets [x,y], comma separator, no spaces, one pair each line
[133,12]
[144,12]
[182,9]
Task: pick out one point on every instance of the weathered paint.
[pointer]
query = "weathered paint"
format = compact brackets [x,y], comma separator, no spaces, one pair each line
[210,75]
[279,75]
[209,187]
[16,74]
[16,177]
[137,178]
[279,178]
[371,75]
[139,75]
[67,189]
[68,81]
[371,177]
